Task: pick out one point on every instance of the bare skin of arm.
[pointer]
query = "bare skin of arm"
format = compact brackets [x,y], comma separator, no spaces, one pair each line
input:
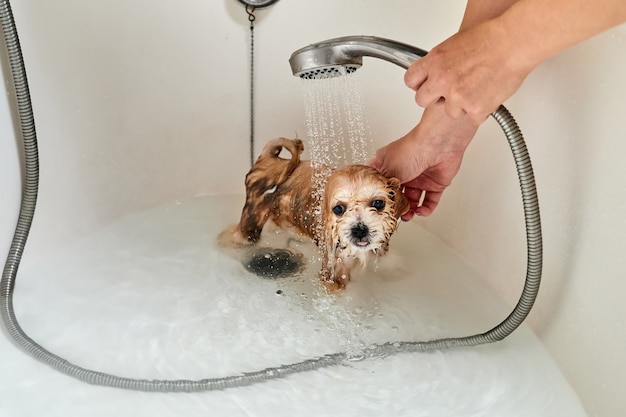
[482,65]
[465,78]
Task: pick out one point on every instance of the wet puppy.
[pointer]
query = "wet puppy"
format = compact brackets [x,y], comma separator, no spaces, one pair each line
[351,216]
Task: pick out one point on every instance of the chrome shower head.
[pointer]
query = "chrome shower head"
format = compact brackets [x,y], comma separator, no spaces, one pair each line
[345,55]
[327,71]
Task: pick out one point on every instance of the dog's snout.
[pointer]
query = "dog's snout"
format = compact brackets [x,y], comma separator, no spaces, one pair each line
[360,231]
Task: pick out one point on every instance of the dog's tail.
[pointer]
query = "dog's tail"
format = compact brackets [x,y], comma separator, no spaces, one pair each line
[269,171]
[273,149]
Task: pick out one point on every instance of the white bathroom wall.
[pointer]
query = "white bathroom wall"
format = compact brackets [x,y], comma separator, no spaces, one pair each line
[144,102]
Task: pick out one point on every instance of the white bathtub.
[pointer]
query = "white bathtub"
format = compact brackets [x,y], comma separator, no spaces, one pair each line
[141,105]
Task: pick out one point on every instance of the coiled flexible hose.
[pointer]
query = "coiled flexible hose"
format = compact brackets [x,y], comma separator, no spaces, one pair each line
[27,210]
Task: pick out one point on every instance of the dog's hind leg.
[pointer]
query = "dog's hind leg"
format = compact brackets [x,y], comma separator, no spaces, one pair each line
[253,219]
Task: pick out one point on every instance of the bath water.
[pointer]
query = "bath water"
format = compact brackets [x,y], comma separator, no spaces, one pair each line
[153,296]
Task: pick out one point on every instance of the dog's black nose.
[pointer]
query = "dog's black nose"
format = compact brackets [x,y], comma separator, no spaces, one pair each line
[359,231]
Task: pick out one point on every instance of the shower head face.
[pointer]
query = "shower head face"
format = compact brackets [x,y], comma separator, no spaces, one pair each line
[328,71]
[323,61]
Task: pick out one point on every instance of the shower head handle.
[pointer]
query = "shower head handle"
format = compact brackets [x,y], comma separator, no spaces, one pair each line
[348,52]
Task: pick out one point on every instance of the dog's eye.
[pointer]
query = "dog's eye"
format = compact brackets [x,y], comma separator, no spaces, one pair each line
[378,204]
[339,209]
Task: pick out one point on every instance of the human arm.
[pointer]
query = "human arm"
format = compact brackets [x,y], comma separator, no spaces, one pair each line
[482,65]
[428,157]
[479,11]
[498,44]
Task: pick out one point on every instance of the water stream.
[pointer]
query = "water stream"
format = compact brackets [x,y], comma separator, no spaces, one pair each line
[336,124]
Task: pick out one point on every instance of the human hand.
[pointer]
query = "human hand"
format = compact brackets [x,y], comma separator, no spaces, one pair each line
[427,158]
[472,72]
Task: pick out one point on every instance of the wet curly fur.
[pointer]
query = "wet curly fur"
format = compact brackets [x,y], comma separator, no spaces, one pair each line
[360,208]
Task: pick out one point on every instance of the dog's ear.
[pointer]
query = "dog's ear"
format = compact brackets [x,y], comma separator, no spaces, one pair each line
[395,194]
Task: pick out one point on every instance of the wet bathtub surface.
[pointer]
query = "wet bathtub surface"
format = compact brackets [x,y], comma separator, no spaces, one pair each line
[153,297]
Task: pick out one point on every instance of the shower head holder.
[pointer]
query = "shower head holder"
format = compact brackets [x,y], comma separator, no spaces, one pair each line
[258,3]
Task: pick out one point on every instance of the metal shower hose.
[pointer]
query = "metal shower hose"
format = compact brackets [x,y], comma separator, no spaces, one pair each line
[29,198]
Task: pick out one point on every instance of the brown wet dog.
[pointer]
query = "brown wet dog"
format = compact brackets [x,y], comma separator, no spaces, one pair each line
[360,208]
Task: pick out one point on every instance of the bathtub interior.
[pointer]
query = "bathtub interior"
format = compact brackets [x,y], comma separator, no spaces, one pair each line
[153,296]
[148,106]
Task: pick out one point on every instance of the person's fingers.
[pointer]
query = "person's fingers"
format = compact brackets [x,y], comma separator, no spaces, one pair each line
[422,202]
[408,216]
[416,74]
[376,162]
[480,117]
[455,106]
[426,95]
[430,203]
[454,111]
[413,194]
[417,79]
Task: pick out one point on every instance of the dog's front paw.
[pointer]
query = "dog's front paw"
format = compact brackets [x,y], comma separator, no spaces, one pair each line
[332,286]
[336,280]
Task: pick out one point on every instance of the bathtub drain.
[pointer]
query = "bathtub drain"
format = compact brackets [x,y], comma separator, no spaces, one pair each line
[274,263]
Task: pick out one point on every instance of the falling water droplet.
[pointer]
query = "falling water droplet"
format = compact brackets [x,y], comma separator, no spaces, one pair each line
[336,128]
[335,117]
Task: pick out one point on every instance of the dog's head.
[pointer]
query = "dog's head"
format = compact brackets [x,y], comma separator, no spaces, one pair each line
[361,210]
